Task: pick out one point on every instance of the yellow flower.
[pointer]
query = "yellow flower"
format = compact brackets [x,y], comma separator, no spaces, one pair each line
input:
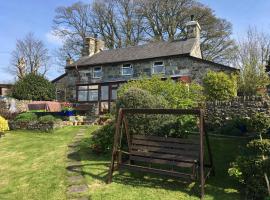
[3,124]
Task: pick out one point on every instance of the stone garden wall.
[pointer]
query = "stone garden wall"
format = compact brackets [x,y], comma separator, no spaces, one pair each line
[221,111]
[35,125]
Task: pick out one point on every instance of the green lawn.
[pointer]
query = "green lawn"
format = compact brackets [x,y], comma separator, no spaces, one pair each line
[135,186]
[32,165]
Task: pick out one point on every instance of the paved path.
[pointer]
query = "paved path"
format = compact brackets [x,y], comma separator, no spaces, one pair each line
[77,187]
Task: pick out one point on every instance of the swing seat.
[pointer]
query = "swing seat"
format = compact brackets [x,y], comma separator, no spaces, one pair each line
[183,158]
[164,156]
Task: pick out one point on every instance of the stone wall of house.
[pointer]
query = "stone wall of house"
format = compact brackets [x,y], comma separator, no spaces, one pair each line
[174,65]
[221,111]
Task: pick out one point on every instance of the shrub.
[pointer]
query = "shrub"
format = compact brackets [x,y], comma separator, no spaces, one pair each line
[177,94]
[26,117]
[33,87]
[219,86]
[102,139]
[250,168]
[3,125]
[47,118]
[259,123]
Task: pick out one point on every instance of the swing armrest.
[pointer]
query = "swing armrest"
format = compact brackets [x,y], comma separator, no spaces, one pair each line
[125,152]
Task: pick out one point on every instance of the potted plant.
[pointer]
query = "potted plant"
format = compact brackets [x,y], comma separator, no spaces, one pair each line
[68,110]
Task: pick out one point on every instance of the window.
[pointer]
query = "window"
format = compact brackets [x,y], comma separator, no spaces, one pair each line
[88,93]
[127,70]
[158,68]
[97,73]
[104,92]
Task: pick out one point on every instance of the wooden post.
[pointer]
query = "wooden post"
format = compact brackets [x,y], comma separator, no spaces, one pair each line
[209,150]
[201,154]
[115,145]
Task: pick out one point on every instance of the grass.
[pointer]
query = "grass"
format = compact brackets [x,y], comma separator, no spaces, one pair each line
[140,186]
[32,165]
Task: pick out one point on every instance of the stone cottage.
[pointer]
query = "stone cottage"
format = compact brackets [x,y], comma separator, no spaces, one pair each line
[95,77]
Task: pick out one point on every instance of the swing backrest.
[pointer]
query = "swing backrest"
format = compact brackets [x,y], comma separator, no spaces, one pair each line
[162,150]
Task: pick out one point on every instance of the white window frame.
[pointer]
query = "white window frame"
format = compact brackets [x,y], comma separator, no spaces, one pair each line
[153,71]
[122,69]
[94,72]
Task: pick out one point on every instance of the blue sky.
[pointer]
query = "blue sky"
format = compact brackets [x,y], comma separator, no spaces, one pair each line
[18,17]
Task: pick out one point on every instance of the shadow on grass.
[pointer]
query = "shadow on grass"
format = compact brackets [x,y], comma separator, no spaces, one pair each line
[221,186]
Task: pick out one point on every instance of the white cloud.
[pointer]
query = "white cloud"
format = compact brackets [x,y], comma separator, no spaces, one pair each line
[53,39]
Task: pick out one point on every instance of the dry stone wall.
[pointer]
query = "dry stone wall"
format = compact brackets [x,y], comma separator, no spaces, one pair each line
[221,111]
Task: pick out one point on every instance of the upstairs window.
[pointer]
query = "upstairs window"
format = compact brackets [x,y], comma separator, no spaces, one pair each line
[127,70]
[97,72]
[158,68]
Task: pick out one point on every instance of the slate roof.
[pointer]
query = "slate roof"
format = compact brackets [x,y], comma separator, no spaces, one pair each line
[140,52]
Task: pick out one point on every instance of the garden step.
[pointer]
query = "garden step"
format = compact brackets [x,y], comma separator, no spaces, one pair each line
[79,179]
[77,189]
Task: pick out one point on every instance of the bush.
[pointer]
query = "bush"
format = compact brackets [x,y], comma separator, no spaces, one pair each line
[47,118]
[102,139]
[219,86]
[249,168]
[177,94]
[3,125]
[259,123]
[33,87]
[26,117]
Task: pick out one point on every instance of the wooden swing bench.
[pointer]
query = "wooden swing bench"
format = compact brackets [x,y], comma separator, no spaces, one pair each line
[162,155]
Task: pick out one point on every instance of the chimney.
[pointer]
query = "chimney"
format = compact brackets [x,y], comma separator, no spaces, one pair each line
[69,61]
[92,46]
[193,28]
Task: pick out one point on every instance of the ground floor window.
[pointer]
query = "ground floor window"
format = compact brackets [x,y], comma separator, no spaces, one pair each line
[104,94]
[87,93]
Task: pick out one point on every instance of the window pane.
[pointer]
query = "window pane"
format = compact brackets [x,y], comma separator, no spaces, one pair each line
[97,72]
[83,87]
[158,63]
[114,94]
[127,71]
[126,65]
[93,87]
[93,95]
[104,92]
[82,95]
[158,69]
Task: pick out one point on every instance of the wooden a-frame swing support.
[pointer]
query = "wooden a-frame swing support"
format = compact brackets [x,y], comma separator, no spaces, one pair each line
[122,122]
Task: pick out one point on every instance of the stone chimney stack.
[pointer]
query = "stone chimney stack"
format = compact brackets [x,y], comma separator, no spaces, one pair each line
[193,28]
[69,61]
[194,32]
[92,46]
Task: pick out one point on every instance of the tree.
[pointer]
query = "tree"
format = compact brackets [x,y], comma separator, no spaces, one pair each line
[122,23]
[73,24]
[30,56]
[219,86]
[33,87]
[252,57]
[166,20]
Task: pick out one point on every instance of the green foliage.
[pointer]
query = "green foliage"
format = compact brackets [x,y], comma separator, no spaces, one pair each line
[47,118]
[219,86]
[177,94]
[3,124]
[260,123]
[102,139]
[249,168]
[26,117]
[236,126]
[33,87]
